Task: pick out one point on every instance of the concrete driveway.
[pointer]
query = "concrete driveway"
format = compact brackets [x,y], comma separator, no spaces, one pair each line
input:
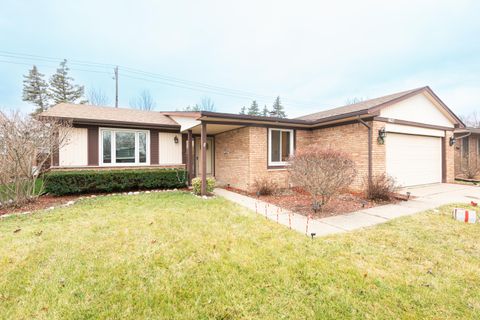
[422,198]
[443,193]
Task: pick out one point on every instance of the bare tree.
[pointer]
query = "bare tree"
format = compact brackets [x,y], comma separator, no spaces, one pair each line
[471,120]
[97,97]
[207,104]
[322,172]
[144,101]
[26,145]
[354,100]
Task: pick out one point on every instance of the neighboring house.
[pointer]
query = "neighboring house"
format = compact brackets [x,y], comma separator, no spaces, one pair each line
[467,153]
[407,135]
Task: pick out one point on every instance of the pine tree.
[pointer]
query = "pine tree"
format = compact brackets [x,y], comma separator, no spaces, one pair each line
[254,110]
[265,111]
[277,109]
[62,88]
[35,90]
[242,111]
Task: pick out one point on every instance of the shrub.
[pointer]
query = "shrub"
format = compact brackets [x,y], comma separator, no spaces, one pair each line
[470,167]
[75,182]
[383,187]
[322,172]
[197,185]
[264,187]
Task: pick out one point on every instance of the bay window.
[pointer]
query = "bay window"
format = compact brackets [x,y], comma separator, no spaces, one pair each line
[280,142]
[124,147]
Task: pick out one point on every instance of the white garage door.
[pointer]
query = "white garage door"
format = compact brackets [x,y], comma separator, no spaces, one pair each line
[414,160]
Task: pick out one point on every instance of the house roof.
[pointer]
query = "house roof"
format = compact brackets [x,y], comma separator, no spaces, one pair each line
[89,113]
[372,106]
[108,115]
[360,106]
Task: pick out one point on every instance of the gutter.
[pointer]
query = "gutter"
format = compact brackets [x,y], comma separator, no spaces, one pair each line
[370,151]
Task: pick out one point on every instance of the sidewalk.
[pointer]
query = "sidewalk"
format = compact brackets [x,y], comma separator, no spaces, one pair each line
[335,224]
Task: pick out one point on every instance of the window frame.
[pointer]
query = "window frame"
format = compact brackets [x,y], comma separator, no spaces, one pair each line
[280,163]
[113,148]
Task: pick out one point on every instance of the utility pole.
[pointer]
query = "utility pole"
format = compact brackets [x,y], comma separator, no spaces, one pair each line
[116,86]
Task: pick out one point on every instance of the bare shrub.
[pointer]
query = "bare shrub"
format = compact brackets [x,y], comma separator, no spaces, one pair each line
[26,145]
[264,187]
[470,169]
[322,172]
[382,187]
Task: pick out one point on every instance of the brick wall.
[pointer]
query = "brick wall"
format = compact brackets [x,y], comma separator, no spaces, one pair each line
[449,158]
[232,153]
[350,138]
[241,158]
[474,154]
[241,154]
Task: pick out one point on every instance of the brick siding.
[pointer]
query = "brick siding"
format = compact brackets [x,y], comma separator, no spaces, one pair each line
[241,155]
[474,154]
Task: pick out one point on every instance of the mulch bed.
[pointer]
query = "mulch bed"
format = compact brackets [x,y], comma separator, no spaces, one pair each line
[300,202]
[43,202]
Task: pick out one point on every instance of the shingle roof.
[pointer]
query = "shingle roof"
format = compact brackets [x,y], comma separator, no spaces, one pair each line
[357,107]
[89,113]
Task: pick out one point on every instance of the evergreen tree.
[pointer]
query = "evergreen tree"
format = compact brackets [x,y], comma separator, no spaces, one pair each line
[242,111]
[35,90]
[265,111]
[62,88]
[254,110]
[277,109]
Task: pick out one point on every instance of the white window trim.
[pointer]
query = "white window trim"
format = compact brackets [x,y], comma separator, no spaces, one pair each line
[113,148]
[279,163]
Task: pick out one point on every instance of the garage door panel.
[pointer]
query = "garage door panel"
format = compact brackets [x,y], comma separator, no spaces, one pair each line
[414,160]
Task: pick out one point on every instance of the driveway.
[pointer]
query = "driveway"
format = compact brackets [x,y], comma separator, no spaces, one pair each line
[443,193]
[422,198]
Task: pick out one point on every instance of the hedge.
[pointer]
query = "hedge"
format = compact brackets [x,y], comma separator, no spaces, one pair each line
[75,182]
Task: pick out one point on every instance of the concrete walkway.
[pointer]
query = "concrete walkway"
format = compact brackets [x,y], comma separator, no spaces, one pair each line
[423,198]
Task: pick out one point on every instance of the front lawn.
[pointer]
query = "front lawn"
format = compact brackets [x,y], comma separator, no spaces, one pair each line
[174,256]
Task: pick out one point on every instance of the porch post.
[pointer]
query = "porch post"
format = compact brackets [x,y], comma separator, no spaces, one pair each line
[204,158]
[190,157]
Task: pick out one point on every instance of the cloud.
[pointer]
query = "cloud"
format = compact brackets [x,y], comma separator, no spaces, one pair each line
[314,54]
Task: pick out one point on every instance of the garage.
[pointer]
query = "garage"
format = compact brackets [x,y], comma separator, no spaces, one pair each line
[413,159]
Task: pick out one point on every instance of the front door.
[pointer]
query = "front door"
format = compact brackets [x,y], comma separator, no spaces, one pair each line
[198,152]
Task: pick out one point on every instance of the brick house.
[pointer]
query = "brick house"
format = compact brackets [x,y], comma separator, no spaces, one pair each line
[408,135]
[467,153]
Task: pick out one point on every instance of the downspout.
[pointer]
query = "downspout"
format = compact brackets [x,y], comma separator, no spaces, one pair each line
[370,151]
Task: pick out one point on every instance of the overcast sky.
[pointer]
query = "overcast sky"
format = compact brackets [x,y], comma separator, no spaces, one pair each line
[314,54]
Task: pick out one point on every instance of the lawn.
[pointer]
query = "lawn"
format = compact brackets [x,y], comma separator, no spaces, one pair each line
[174,256]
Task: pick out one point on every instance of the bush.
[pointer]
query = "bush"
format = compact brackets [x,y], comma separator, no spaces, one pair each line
[470,168]
[75,182]
[264,187]
[383,188]
[197,185]
[322,172]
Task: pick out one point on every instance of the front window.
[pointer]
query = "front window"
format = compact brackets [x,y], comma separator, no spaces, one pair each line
[280,143]
[124,147]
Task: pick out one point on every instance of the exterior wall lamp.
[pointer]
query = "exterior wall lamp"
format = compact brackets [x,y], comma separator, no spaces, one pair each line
[381,136]
[452,141]
[175,139]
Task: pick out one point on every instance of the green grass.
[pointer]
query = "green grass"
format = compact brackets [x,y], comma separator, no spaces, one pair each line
[175,256]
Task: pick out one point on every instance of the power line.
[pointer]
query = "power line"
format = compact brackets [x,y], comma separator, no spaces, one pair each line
[144,76]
